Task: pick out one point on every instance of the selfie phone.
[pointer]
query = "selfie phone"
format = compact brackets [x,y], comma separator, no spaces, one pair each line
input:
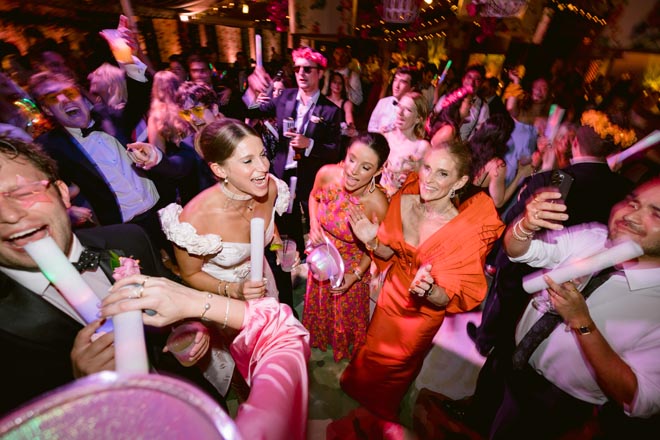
[562,181]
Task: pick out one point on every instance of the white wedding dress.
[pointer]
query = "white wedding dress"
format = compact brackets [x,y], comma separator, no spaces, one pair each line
[225,261]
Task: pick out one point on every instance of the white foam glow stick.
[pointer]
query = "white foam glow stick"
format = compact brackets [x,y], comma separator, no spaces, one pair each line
[130,348]
[618,253]
[645,143]
[258,50]
[292,193]
[256,249]
[63,275]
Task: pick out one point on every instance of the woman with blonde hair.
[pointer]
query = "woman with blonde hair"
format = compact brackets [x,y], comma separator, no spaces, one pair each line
[407,141]
[165,124]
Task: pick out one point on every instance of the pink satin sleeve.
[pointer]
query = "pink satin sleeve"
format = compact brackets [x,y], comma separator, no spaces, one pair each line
[271,352]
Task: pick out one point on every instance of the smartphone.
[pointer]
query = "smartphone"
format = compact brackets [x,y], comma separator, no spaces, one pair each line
[562,181]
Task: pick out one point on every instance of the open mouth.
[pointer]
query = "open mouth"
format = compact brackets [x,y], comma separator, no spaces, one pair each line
[261,181]
[72,112]
[22,238]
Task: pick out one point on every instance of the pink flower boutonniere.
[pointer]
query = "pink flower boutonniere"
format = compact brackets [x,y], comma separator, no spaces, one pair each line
[125,268]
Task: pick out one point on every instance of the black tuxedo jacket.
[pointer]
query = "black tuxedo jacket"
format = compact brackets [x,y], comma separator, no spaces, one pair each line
[75,166]
[36,337]
[326,134]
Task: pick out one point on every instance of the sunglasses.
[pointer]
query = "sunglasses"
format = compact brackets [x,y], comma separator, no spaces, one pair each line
[198,111]
[70,93]
[306,69]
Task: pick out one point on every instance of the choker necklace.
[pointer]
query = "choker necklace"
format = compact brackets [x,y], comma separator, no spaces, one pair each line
[232,195]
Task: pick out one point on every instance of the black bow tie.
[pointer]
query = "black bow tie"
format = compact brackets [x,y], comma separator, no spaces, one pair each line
[89,260]
[87,131]
[395,102]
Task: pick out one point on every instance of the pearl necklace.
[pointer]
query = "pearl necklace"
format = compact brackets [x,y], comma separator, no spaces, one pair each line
[236,197]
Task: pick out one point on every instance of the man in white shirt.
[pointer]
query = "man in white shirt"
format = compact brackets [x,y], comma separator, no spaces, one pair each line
[384,114]
[607,349]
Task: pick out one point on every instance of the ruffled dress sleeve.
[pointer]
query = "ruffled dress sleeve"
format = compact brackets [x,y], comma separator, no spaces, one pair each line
[283,196]
[185,235]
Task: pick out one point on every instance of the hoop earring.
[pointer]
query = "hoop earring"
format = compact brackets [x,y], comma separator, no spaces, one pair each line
[452,193]
[372,185]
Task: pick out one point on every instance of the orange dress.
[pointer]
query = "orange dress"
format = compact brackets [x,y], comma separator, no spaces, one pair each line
[401,331]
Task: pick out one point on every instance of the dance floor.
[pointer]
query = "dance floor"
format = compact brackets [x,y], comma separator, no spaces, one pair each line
[451,368]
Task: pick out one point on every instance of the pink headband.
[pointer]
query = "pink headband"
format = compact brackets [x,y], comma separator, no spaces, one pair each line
[310,55]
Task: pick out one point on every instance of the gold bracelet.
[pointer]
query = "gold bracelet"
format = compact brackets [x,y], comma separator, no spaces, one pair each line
[227,289]
[523,230]
[207,306]
[218,289]
[358,273]
[224,324]
[372,249]
[518,237]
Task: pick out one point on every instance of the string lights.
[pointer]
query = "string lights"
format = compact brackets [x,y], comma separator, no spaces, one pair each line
[570,7]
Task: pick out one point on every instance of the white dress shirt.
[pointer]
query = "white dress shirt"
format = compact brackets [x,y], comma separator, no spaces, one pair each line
[625,309]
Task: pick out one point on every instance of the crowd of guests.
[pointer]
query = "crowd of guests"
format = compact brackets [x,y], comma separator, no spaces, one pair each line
[450,181]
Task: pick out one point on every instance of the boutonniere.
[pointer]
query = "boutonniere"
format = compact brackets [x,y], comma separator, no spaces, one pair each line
[123,267]
[316,119]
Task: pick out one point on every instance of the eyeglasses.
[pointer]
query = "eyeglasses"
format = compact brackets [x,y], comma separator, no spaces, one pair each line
[28,192]
[70,93]
[198,111]
[306,69]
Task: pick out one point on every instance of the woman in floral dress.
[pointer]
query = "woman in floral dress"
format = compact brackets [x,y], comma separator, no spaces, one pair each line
[338,317]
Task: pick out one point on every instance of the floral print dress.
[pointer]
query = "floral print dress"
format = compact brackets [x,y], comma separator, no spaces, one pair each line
[338,321]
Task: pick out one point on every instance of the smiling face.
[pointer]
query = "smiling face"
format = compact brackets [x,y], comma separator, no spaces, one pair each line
[30,217]
[438,175]
[360,165]
[198,115]
[200,72]
[246,169]
[63,102]
[637,217]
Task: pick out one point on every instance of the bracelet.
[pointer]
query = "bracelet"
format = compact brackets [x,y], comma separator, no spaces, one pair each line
[224,324]
[370,248]
[519,237]
[523,230]
[207,306]
[358,273]
[227,289]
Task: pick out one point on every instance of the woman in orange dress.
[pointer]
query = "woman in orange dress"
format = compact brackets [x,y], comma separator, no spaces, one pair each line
[436,254]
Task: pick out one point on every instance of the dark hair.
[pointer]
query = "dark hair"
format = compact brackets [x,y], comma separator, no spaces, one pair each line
[334,74]
[197,58]
[479,68]
[461,153]
[218,140]
[591,144]
[377,142]
[450,115]
[197,92]
[406,70]
[490,140]
[14,148]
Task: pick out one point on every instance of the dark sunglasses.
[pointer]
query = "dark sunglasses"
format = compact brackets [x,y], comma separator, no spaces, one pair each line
[306,69]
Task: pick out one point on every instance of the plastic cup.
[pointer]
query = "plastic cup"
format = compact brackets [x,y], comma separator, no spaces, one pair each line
[120,49]
[287,255]
[182,340]
[288,125]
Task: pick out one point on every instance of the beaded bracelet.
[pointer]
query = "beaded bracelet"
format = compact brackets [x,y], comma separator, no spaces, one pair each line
[524,237]
[207,306]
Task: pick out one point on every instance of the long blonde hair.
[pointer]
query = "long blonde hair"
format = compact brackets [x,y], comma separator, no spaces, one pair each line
[111,78]
[164,113]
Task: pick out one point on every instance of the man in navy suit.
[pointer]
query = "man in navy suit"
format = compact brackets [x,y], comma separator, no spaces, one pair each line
[315,140]
[43,340]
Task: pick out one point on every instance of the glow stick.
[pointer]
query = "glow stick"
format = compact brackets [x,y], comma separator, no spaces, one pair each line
[63,275]
[292,193]
[444,72]
[640,146]
[260,59]
[130,348]
[618,253]
[257,249]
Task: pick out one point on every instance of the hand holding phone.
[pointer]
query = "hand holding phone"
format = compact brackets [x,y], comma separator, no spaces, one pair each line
[562,181]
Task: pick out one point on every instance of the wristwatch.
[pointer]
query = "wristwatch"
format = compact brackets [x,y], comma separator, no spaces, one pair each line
[584,329]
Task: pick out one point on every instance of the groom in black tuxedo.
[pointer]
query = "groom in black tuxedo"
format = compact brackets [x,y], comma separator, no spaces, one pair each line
[43,341]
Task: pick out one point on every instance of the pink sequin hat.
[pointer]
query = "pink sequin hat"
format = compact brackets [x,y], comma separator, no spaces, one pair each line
[326,264]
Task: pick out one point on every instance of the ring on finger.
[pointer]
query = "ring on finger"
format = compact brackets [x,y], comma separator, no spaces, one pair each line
[536,215]
[144,281]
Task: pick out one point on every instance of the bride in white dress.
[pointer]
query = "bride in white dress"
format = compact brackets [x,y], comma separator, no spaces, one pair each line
[211,233]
